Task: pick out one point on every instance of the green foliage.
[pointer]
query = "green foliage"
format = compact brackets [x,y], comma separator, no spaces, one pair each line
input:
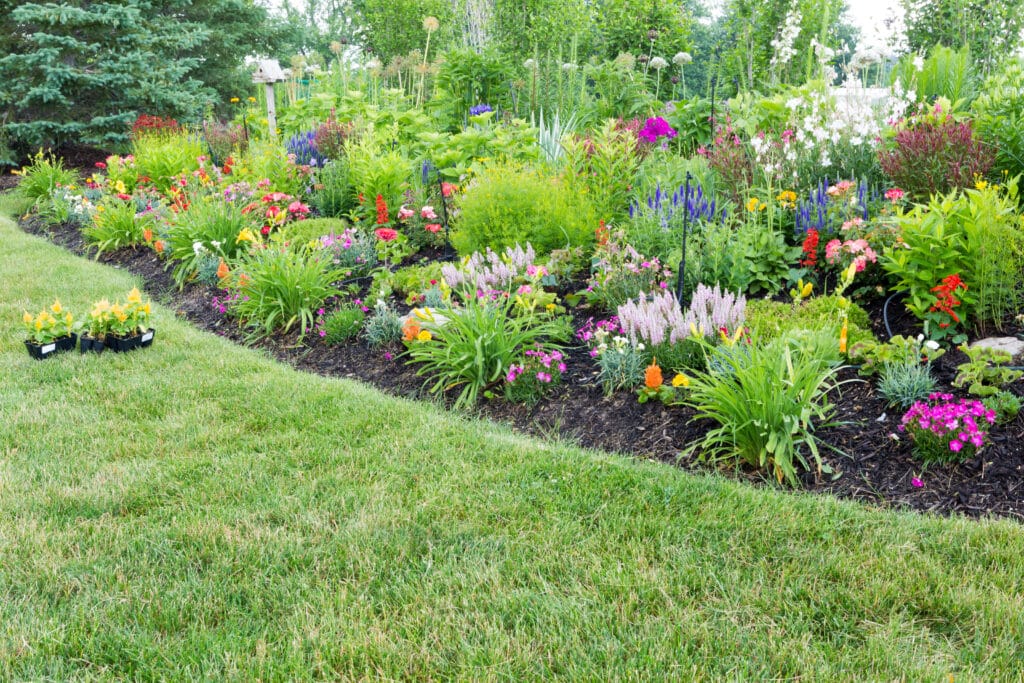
[765,261]
[999,116]
[210,226]
[617,90]
[989,29]
[343,324]
[620,366]
[383,327]
[46,172]
[873,355]
[510,204]
[115,225]
[904,384]
[768,403]
[946,73]
[1005,405]
[303,233]
[770,320]
[375,169]
[975,234]
[603,166]
[282,288]
[469,77]
[391,29]
[268,160]
[474,346]
[985,373]
[161,156]
[410,282]
[333,194]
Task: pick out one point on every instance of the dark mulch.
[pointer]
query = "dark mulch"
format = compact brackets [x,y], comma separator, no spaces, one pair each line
[873,466]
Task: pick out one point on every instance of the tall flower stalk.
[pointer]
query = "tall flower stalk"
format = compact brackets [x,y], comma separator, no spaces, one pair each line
[430,24]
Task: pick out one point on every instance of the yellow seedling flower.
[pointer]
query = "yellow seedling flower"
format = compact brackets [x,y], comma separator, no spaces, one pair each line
[100,307]
[27,318]
[56,307]
[252,99]
[680,380]
[69,319]
[424,336]
[135,296]
[146,308]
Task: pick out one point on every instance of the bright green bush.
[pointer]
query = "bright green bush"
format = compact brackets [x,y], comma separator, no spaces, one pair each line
[115,225]
[160,156]
[999,117]
[343,324]
[44,174]
[769,320]
[211,226]
[509,205]
[333,194]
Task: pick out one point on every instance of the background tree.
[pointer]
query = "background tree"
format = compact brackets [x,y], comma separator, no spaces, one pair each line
[991,28]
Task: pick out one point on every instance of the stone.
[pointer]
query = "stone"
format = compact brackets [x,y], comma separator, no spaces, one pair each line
[1012,345]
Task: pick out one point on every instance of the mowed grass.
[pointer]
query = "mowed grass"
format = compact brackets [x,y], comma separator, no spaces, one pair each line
[198,511]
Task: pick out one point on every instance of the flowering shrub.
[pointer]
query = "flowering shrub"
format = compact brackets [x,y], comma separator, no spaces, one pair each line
[148,123]
[857,252]
[350,251]
[619,272]
[540,371]
[946,430]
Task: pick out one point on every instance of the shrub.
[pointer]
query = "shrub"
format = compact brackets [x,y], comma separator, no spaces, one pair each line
[312,229]
[511,204]
[276,289]
[374,170]
[329,139]
[946,430]
[985,371]
[904,384]
[343,324]
[475,346]
[768,403]
[46,174]
[1004,404]
[933,153]
[770,320]
[603,164]
[619,272]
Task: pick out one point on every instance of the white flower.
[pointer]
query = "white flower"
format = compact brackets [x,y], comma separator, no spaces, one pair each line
[682,58]
[640,347]
[198,248]
[658,63]
[932,344]
[530,64]
[918,63]
[216,244]
[569,67]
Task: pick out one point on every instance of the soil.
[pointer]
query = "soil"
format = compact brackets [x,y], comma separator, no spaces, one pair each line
[868,460]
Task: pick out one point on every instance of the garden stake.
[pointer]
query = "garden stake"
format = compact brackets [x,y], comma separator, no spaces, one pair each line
[686,231]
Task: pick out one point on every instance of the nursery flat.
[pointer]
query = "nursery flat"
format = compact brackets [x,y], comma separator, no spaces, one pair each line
[197,510]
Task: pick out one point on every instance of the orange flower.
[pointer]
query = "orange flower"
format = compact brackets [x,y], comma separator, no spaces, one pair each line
[222,270]
[410,330]
[147,235]
[243,279]
[159,246]
[652,376]
[842,338]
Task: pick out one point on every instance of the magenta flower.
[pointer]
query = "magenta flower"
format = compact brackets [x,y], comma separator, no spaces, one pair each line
[655,128]
[916,483]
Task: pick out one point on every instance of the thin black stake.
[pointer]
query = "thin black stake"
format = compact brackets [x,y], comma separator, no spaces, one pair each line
[686,234]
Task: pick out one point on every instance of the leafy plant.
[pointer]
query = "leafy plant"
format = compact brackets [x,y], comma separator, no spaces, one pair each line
[210,226]
[333,194]
[43,176]
[509,204]
[903,384]
[767,404]
[603,165]
[768,320]
[985,373]
[277,288]
[475,346]
[620,364]
[539,372]
[873,355]
[1004,404]
[115,224]
[163,155]
[999,116]
[49,324]
[343,324]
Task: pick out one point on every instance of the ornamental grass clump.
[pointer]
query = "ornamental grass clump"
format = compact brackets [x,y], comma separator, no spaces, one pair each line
[945,430]
[769,401]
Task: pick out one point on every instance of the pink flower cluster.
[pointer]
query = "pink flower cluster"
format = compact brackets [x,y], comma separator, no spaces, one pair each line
[536,359]
[860,251]
[956,423]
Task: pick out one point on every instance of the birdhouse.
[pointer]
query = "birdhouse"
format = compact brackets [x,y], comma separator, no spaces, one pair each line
[268,71]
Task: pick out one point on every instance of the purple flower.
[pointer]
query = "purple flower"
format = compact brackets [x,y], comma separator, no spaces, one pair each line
[655,128]
[916,483]
[480,109]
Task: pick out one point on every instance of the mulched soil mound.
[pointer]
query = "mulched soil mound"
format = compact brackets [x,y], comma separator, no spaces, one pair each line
[870,464]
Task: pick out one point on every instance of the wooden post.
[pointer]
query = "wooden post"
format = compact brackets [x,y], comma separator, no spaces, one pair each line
[271,109]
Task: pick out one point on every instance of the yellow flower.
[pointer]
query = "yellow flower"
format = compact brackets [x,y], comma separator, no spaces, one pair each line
[752,204]
[424,336]
[145,308]
[56,307]
[119,186]
[423,313]
[246,235]
[252,99]
[234,100]
[27,318]
[68,319]
[39,324]
[806,291]
[550,307]
[135,296]
[680,380]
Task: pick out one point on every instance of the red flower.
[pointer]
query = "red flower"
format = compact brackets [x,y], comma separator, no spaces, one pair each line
[382,211]
[265,230]
[447,189]
[100,165]
[601,233]
[810,248]
[432,227]
[123,197]
[945,295]
[386,234]
[298,207]
[275,197]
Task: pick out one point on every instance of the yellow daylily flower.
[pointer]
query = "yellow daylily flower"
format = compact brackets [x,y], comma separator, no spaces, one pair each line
[246,235]
[424,336]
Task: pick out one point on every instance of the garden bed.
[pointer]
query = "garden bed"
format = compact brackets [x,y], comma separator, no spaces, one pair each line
[874,466]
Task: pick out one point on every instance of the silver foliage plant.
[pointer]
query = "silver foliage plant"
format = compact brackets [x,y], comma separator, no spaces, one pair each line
[659,319]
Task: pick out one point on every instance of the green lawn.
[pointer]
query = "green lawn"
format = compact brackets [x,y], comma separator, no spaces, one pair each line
[196,510]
